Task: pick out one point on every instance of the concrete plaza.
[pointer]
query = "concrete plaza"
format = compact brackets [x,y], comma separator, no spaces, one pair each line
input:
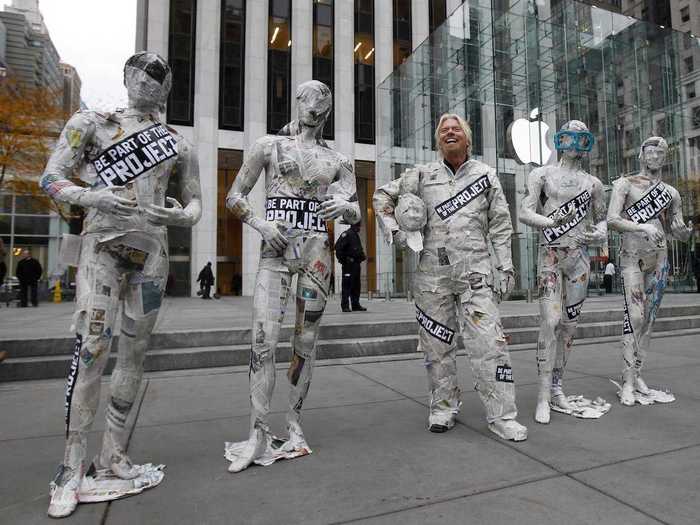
[374,461]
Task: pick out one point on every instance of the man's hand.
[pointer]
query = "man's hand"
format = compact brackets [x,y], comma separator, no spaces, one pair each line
[400,239]
[333,208]
[653,233]
[162,216]
[107,201]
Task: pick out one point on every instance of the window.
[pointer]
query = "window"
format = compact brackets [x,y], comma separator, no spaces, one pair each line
[229,230]
[685,14]
[232,65]
[437,14]
[323,52]
[689,66]
[690,90]
[364,71]
[181,53]
[402,31]
[279,65]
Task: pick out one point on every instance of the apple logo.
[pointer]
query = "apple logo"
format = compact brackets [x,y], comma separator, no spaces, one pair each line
[529,139]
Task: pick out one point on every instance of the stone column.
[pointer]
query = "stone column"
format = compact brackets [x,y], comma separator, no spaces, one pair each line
[452,5]
[206,125]
[302,40]
[344,94]
[157,25]
[255,118]
[420,22]
[383,66]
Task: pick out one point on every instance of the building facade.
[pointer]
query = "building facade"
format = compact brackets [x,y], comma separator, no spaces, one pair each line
[236,64]
[71,89]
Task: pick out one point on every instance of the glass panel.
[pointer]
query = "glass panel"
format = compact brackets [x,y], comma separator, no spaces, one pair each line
[31,225]
[279,65]
[323,53]
[232,65]
[518,70]
[33,204]
[364,71]
[5,203]
[181,53]
[229,230]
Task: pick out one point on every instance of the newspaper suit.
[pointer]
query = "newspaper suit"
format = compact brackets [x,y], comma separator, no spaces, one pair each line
[567,205]
[643,207]
[306,184]
[126,160]
[466,208]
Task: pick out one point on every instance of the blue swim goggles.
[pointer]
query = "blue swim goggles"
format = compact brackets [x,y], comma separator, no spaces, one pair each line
[574,140]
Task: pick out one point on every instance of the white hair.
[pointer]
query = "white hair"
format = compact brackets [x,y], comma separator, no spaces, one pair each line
[462,124]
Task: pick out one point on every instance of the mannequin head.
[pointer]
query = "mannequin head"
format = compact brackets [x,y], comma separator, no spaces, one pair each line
[652,153]
[410,212]
[148,79]
[314,103]
[573,140]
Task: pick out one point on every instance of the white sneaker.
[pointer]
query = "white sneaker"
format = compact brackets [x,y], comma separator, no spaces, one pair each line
[560,403]
[64,491]
[509,429]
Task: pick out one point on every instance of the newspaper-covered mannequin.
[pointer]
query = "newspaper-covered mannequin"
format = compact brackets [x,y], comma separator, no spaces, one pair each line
[643,208]
[126,159]
[465,207]
[306,184]
[567,205]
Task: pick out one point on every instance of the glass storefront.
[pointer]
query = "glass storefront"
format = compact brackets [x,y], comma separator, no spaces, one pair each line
[517,71]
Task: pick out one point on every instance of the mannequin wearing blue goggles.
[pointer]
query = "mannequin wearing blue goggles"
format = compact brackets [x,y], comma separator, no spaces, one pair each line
[574,140]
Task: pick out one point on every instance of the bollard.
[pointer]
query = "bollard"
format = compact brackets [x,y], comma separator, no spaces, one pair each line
[57,292]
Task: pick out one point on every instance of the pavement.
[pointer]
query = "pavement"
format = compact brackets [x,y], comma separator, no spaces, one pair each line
[373,460]
[184,313]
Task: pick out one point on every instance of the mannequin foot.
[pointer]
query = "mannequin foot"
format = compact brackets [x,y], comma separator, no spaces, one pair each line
[560,403]
[509,429]
[641,386]
[627,393]
[64,492]
[114,458]
[440,423]
[253,450]
[542,412]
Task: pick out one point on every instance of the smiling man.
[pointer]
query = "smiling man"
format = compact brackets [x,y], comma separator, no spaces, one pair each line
[466,209]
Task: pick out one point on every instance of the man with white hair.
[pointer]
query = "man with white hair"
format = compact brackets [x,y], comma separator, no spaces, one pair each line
[453,285]
[567,206]
[643,208]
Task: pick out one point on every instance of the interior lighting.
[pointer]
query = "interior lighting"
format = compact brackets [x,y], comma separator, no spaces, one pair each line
[289,44]
[274,35]
[357,47]
[369,54]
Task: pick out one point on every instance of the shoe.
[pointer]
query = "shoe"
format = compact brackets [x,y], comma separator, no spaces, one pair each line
[346,309]
[359,308]
[509,429]
[440,422]
[560,403]
[64,492]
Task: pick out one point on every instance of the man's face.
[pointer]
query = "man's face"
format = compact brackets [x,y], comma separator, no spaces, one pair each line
[451,138]
[142,88]
[26,254]
[654,157]
[312,108]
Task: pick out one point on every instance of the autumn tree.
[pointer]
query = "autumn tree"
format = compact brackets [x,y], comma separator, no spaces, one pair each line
[30,122]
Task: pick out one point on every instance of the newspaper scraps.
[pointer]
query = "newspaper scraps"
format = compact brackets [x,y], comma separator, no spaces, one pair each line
[584,408]
[276,449]
[653,396]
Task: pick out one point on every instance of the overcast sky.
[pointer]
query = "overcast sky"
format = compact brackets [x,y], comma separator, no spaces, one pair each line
[96,37]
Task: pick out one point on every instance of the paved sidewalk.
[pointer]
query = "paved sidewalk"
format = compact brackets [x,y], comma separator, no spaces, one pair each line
[179,313]
[374,461]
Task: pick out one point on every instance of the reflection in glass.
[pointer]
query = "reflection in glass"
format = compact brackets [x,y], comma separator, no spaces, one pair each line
[232,65]
[323,52]
[279,65]
[364,71]
[181,53]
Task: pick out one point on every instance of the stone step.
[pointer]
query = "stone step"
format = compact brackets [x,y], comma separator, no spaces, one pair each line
[207,356]
[193,338]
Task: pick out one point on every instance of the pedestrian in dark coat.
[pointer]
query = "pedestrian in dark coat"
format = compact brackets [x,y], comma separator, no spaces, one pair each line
[696,269]
[350,254]
[28,273]
[206,281]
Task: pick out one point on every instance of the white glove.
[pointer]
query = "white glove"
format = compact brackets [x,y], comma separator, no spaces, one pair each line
[653,233]
[505,282]
[270,233]
[107,201]
[679,230]
[175,216]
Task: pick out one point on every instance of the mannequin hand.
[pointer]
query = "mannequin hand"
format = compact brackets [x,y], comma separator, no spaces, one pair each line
[271,234]
[400,239]
[163,216]
[505,282]
[596,235]
[562,217]
[653,233]
[107,201]
[679,230]
[333,208]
